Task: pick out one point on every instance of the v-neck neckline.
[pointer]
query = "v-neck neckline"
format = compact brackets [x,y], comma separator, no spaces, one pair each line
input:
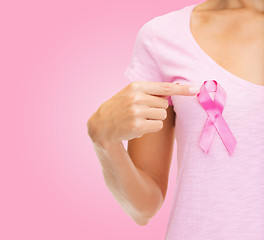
[240,81]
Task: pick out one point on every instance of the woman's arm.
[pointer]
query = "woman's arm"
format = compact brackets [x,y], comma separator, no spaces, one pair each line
[140,114]
[140,193]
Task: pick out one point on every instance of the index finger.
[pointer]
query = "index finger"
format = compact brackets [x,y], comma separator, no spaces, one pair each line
[168,88]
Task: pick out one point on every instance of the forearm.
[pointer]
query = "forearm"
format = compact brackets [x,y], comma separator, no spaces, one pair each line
[137,193]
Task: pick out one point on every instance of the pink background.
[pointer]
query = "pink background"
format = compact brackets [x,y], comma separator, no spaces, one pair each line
[59,60]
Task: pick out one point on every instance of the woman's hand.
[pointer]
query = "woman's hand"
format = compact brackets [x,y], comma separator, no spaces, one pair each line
[137,109]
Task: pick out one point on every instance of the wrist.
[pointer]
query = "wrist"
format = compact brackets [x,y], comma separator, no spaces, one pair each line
[100,136]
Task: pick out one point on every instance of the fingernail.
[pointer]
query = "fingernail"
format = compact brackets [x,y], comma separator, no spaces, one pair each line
[193,89]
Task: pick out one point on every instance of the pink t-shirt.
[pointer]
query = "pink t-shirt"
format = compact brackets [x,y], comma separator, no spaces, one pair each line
[217,196]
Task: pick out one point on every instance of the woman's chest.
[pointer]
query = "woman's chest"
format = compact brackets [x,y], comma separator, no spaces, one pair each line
[235,43]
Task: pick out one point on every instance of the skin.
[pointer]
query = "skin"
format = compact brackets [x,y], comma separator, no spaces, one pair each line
[236,26]
[138,177]
[140,114]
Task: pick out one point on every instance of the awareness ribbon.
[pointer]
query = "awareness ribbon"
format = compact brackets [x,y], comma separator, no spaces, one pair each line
[215,121]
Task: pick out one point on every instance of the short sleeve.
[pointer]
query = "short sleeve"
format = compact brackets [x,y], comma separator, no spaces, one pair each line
[143,64]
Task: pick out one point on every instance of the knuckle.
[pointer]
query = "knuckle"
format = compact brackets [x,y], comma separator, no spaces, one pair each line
[136,125]
[166,103]
[159,125]
[135,85]
[167,86]
[164,114]
[136,98]
[134,111]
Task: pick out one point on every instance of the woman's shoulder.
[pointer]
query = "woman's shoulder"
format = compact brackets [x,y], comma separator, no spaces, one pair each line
[168,22]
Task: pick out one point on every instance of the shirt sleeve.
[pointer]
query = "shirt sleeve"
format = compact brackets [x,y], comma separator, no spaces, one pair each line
[143,65]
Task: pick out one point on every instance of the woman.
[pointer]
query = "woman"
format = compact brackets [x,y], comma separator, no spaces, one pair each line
[217,195]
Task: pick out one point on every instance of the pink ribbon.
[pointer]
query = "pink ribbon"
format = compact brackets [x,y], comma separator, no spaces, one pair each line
[215,121]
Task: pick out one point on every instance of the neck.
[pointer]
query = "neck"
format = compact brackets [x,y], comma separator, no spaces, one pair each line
[255,5]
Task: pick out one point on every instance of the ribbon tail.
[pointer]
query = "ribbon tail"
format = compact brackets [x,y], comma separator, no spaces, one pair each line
[225,134]
[207,136]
